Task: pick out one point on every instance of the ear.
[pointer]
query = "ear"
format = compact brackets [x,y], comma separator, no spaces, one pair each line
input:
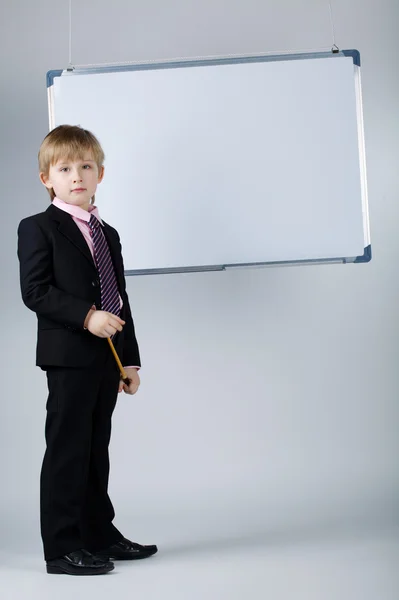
[100,174]
[45,179]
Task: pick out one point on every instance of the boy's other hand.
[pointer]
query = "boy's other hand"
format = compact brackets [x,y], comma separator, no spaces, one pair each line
[104,324]
[134,384]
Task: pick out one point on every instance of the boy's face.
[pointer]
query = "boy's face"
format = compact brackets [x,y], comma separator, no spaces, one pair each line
[74,181]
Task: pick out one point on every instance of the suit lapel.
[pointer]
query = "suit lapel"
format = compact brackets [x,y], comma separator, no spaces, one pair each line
[70,230]
[114,248]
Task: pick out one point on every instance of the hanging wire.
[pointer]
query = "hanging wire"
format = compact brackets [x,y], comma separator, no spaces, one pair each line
[70,34]
[334,47]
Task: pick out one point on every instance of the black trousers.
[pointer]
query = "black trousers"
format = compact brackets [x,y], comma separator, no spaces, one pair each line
[75,509]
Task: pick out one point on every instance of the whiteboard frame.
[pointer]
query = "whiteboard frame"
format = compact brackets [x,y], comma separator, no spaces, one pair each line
[187,63]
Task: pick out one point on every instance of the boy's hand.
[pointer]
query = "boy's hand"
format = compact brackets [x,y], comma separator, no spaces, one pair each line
[104,324]
[135,382]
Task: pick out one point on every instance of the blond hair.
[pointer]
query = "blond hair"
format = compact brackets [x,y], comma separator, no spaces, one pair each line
[68,142]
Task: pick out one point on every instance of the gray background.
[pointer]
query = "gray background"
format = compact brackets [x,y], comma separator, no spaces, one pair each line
[268,402]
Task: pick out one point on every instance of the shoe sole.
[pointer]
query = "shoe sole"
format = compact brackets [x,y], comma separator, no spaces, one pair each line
[55,570]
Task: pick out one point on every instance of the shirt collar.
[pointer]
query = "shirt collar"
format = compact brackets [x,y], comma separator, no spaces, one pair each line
[76,211]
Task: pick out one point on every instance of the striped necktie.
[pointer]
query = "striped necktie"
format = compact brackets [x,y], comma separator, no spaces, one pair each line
[110,300]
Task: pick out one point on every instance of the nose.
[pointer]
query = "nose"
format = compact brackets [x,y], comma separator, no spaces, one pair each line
[77,178]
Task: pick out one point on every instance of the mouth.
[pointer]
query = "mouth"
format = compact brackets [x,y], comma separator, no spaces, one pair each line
[77,190]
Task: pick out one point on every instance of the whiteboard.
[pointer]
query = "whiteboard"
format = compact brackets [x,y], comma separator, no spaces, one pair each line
[223,163]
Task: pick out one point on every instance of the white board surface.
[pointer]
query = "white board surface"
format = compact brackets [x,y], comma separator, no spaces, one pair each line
[225,162]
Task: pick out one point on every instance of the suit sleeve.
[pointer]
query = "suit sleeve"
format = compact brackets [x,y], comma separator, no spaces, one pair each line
[37,282]
[131,353]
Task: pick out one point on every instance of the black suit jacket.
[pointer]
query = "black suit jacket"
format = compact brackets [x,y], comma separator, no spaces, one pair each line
[60,283]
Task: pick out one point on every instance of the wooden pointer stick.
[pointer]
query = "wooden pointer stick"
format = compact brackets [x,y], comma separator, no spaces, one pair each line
[124,376]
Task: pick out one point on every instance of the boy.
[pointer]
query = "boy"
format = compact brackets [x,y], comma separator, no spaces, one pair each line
[72,277]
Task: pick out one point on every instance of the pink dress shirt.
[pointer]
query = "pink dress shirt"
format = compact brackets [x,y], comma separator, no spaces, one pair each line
[82,217]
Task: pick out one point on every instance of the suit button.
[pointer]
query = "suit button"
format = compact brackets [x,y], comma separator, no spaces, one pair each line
[94,283]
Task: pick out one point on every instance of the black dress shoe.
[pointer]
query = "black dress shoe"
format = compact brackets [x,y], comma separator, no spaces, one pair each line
[127,550]
[80,562]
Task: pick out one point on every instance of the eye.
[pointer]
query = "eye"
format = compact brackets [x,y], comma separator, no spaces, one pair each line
[64,169]
[87,166]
